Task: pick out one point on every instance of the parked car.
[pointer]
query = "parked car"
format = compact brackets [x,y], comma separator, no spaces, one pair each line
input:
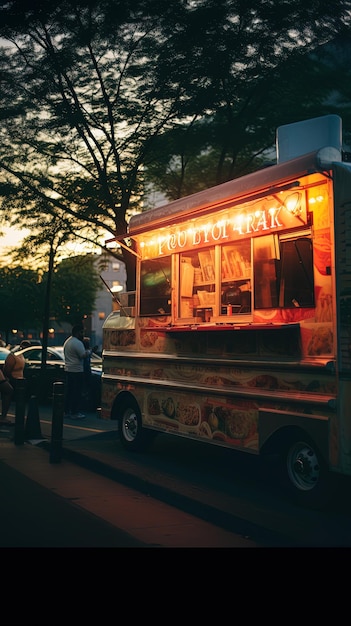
[33,342]
[40,382]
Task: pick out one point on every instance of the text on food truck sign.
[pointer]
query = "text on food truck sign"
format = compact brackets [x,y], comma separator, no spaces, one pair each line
[255,218]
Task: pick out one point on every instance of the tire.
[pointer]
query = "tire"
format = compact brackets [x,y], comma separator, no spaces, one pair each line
[306,473]
[132,435]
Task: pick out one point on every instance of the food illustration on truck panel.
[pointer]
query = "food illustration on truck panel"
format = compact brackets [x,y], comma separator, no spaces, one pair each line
[174,408]
[221,422]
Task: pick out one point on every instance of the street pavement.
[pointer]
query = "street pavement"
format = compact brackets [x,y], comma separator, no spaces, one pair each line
[34,516]
[83,496]
[151,497]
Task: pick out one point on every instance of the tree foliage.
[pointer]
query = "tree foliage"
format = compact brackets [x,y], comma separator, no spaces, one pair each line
[21,300]
[74,286]
[88,88]
[238,137]
[75,283]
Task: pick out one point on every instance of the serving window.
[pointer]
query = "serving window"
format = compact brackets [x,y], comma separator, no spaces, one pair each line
[271,271]
[236,278]
[283,271]
[296,277]
[197,284]
[231,279]
[199,274]
[155,286]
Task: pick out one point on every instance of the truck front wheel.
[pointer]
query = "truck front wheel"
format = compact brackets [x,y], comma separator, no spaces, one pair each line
[130,429]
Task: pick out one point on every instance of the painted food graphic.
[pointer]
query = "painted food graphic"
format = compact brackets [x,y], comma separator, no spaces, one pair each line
[168,408]
[186,413]
[224,423]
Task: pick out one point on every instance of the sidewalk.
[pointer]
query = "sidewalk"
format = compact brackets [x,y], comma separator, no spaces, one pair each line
[137,492]
[87,476]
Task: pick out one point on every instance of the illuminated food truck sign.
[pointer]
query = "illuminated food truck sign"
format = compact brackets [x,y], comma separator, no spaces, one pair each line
[273,213]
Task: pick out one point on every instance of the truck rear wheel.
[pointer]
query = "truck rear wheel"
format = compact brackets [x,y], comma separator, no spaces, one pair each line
[130,429]
[306,473]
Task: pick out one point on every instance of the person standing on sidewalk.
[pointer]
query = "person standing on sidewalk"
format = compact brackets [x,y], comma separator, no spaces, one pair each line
[14,367]
[74,354]
[6,392]
[87,387]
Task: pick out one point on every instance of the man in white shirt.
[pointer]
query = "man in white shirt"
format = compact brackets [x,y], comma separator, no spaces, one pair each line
[74,353]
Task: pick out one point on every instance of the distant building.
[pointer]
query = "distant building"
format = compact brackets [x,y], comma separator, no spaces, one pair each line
[114,274]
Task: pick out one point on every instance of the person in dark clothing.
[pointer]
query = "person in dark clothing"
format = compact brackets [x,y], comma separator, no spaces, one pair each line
[74,353]
[89,391]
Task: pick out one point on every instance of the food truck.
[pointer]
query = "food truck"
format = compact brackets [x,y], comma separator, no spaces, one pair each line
[238,333]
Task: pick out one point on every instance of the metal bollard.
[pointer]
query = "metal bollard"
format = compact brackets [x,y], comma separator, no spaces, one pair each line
[57,423]
[20,411]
